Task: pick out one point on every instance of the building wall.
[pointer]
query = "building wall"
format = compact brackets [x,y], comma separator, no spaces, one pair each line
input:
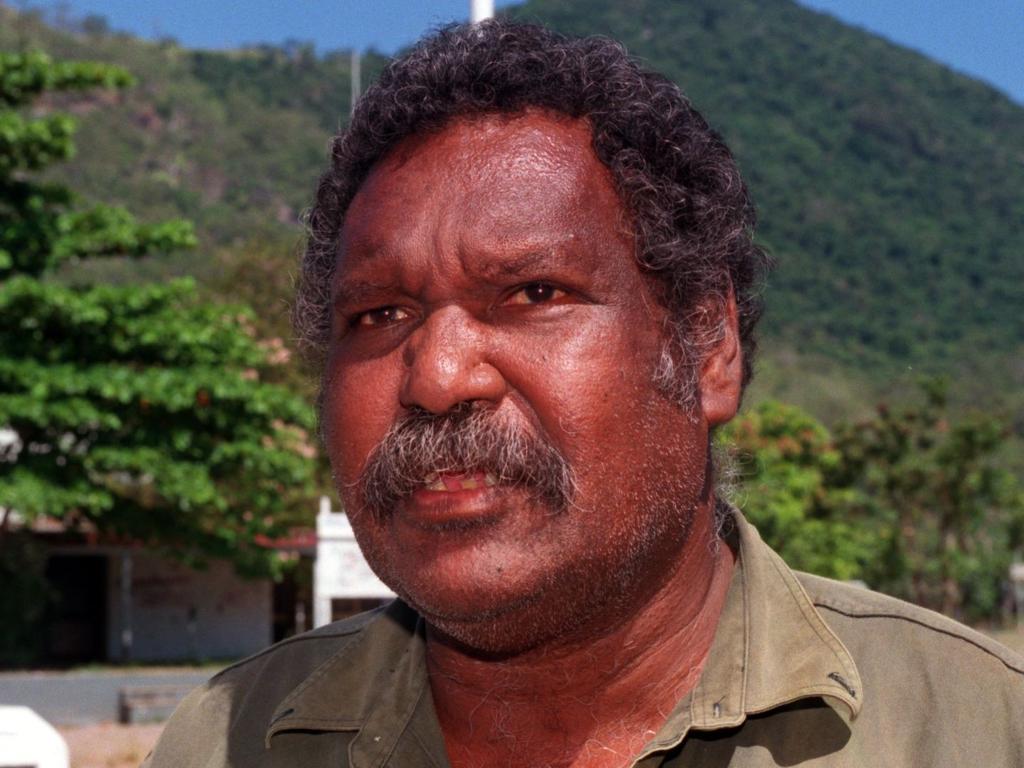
[177,613]
[343,582]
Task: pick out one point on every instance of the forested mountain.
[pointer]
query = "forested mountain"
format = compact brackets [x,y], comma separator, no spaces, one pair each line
[232,141]
[890,189]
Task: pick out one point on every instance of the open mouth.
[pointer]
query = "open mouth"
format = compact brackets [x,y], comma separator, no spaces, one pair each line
[449,482]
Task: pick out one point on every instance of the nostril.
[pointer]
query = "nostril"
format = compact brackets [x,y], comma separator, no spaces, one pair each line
[448,362]
[448,379]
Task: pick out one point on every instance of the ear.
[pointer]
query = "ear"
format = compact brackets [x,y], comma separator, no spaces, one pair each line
[721,374]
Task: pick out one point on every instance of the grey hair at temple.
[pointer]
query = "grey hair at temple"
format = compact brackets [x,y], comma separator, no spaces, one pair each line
[687,206]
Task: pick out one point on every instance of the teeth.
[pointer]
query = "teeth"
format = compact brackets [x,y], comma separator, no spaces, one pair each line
[435,482]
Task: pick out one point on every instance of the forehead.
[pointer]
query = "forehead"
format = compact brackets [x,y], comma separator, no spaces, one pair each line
[495,177]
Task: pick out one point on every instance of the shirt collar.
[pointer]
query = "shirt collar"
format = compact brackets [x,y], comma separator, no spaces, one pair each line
[374,685]
[771,648]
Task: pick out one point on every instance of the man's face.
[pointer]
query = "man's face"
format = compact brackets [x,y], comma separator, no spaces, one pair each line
[490,267]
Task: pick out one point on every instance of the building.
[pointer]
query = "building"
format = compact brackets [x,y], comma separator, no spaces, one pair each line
[343,584]
[115,602]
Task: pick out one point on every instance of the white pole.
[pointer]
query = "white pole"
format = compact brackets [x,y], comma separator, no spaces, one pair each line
[480,10]
[356,78]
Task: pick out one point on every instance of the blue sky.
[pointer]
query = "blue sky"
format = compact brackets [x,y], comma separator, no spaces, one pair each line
[982,38]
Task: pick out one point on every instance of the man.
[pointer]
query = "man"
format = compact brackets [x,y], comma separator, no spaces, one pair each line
[531,276]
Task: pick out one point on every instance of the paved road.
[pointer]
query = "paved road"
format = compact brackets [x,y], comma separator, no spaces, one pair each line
[79,698]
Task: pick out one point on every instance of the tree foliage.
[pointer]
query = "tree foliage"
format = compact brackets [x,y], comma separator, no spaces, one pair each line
[888,186]
[784,460]
[912,501]
[233,141]
[40,230]
[949,517]
[140,411]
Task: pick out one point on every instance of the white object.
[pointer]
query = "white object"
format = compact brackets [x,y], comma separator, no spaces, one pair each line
[340,570]
[1017,589]
[28,740]
[480,10]
[357,79]
[10,444]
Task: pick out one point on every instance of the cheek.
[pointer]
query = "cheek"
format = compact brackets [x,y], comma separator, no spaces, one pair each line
[360,404]
[588,380]
[594,392]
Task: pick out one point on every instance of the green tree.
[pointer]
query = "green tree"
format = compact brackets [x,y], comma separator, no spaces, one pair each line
[783,460]
[950,516]
[912,501]
[139,411]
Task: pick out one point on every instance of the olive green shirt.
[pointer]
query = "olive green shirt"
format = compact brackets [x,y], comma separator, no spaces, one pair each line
[803,671]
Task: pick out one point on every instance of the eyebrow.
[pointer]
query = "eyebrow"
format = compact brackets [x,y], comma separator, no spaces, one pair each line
[354,291]
[516,265]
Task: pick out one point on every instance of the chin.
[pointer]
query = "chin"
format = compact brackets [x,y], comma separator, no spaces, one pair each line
[509,630]
[509,619]
[506,619]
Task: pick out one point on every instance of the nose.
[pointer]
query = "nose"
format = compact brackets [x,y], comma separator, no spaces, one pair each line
[447,364]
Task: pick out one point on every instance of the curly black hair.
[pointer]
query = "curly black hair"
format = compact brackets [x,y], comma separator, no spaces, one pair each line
[690,211]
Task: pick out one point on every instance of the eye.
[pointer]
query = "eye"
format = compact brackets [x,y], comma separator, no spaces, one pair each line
[536,293]
[380,316]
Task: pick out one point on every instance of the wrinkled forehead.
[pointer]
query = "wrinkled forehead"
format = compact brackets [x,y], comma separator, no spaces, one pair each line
[504,175]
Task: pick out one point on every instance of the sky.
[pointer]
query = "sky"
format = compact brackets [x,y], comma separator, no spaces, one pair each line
[981,38]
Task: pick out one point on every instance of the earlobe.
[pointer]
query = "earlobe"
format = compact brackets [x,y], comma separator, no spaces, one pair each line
[721,377]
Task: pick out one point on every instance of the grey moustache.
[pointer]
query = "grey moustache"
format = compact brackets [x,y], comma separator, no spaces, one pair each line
[467,439]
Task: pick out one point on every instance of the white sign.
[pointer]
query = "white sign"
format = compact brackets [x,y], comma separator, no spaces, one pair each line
[340,571]
[1017,572]
[28,740]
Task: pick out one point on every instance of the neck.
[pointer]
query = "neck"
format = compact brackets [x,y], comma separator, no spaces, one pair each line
[594,699]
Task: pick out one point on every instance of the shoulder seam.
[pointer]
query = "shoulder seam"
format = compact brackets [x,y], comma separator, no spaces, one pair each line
[287,641]
[891,615]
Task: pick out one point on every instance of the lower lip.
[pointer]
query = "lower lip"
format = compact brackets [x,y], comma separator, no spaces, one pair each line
[467,506]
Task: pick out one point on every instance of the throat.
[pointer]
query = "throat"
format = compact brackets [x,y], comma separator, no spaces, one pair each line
[594,705]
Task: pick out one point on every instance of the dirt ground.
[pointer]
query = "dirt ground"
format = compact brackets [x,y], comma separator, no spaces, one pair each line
[109,745]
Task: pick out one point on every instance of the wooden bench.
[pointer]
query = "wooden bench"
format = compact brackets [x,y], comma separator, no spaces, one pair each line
[149,703]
